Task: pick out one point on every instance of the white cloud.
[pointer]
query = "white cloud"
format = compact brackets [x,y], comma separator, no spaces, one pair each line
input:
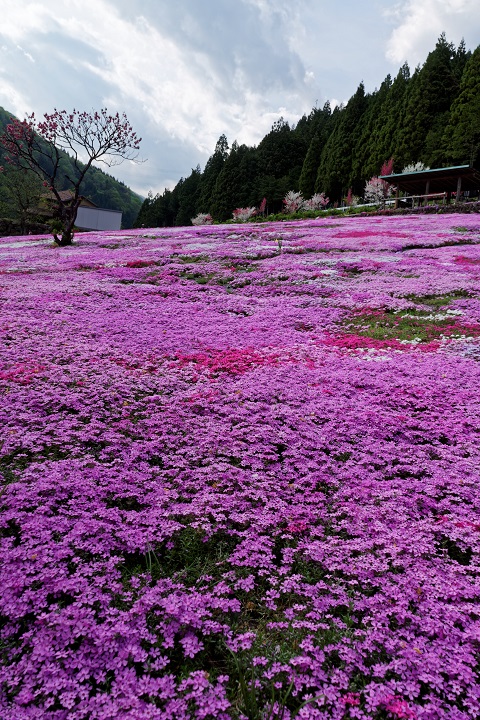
[14,101]
[419,24]
[19,20]
[179,87]
[27,54]
[187,72]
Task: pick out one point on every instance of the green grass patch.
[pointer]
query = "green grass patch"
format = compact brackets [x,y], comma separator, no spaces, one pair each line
[438,301]
[463,229]
[190,557]
[415,325]
[198,277]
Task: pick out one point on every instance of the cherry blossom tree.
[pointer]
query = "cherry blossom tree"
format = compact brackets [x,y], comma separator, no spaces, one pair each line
[293,202]
[415,167]
[377,190]
[387,167]
[202,219]
[351,200]
[244,214]
[88,137]
[316,202]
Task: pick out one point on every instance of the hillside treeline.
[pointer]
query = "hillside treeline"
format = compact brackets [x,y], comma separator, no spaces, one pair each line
[19,194]
[431,116]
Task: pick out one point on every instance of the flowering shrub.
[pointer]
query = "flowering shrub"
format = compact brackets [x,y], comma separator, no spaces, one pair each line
[239,482]
[377,190]
[202,219]
[293,202]
[387,167]
[351,200]
[244,214]
[316,202]
[415,167]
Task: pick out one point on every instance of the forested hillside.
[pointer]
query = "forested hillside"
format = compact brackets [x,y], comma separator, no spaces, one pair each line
[104,190]
[430,115]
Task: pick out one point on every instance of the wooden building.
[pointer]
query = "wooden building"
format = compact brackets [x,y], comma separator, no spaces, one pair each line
[438,184]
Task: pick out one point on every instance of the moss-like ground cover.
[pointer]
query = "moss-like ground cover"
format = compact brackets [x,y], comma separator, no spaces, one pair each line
[240,472]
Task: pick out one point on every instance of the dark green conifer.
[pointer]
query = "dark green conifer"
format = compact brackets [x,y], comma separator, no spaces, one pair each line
[461,139]
[188,198]
[368,157]
[431,92]
[306,183]
[321,121]
[337,156]
[210,174]
[228,184]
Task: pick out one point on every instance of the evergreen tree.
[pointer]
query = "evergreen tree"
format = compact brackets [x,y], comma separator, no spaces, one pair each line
[428,102]
[212,170]
[187,192]
[461,139]
[282,151]
[248,194]
[158,210]
[389,125]
[462,56]
[145,214]
[313,124]
[279,158]
[338,154]
[321,122]
[306,183]
[368,156]
[228,185]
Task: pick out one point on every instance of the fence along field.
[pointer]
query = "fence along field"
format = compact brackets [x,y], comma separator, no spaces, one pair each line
[240,470]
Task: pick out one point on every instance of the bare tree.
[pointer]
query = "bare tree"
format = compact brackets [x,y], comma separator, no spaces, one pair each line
[87,137]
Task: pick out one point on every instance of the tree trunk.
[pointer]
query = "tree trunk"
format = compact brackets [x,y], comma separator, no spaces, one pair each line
[68,216]
[65,239]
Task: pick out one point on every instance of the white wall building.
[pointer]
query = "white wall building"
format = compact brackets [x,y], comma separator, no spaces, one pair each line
[93,218]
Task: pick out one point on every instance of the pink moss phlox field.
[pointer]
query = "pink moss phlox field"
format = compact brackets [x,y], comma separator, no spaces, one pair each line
[241,464]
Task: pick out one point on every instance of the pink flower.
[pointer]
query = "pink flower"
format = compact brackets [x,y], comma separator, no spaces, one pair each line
[399,708]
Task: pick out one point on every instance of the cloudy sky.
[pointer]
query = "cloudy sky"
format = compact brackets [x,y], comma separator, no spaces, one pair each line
[186,71]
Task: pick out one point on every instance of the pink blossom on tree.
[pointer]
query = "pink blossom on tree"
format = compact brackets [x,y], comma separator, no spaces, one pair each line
[293,202]
[244,214]
[351,200]
[377,190]
[387,167]
[87,137]
[316,202]
[202,219]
